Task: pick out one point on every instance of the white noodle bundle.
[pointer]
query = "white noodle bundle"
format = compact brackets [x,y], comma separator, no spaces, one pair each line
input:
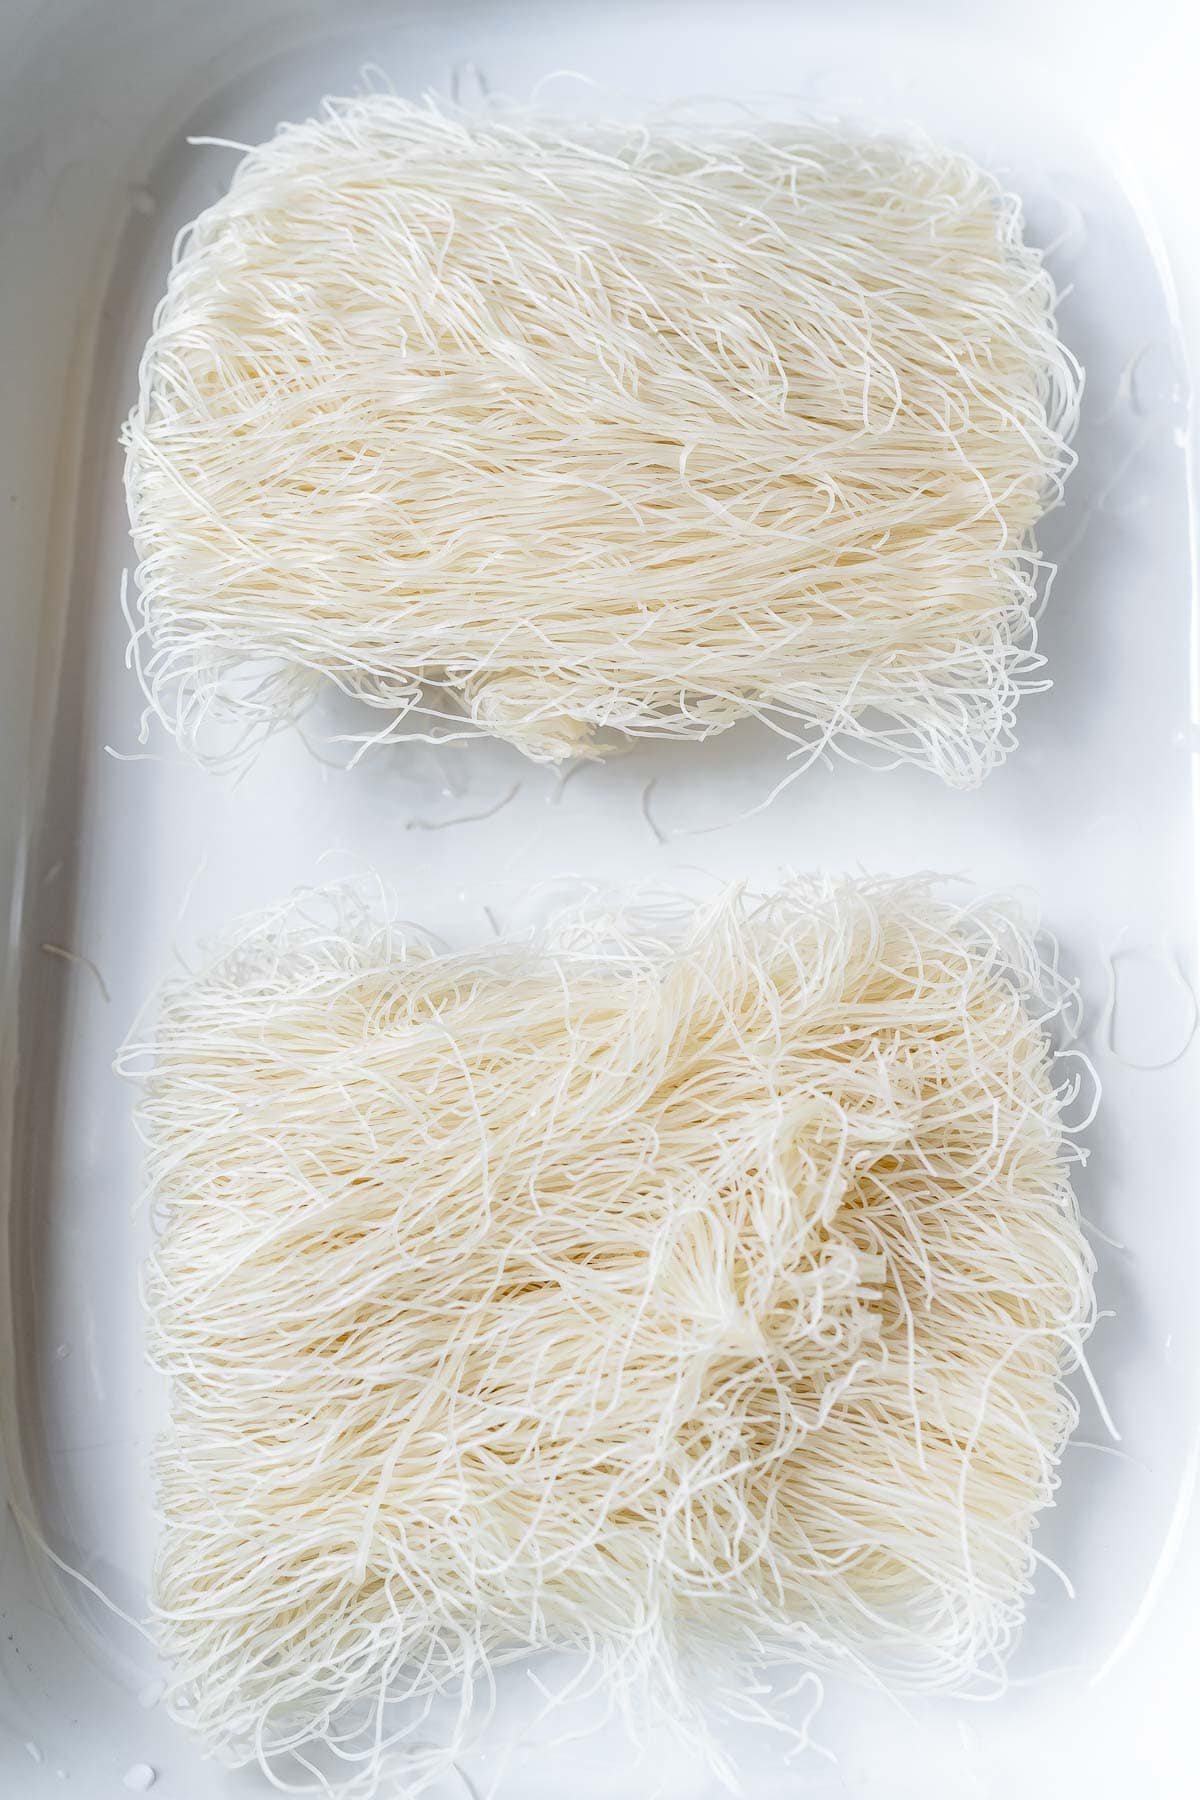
[690,1291]
[563,429]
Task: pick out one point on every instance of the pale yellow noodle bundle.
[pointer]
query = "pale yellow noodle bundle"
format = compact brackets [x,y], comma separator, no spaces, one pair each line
[689,1290]
[556,429]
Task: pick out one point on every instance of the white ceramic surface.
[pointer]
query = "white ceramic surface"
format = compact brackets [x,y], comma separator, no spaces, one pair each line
[1088,116]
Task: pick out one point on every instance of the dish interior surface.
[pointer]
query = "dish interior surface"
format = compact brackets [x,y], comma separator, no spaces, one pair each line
[137,855]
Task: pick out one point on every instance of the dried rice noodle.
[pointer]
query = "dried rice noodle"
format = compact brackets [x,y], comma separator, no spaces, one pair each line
[689,1290]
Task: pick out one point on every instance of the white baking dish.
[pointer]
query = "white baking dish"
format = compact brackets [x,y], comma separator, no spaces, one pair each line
[1090,113]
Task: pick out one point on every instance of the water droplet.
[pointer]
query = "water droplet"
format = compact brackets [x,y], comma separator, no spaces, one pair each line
[151,1694]
[63,1351]
[32,1751]
[1151,1014]
[1151,381]
[140,1778]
